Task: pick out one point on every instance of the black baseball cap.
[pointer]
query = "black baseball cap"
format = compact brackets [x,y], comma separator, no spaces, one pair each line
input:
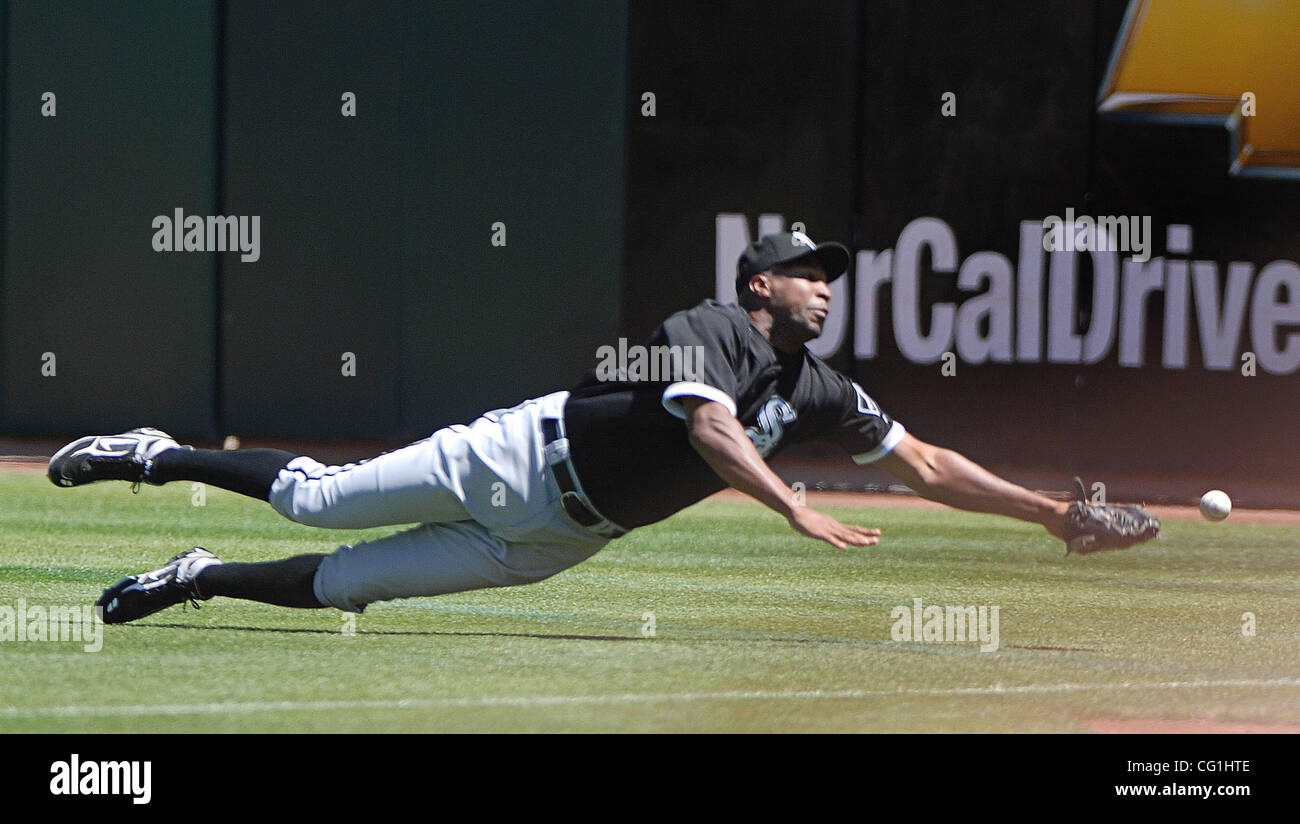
[770,250]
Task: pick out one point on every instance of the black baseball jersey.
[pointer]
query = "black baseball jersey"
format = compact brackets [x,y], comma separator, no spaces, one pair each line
[627,431]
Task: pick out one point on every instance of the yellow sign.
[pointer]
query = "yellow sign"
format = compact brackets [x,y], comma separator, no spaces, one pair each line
[1230,62]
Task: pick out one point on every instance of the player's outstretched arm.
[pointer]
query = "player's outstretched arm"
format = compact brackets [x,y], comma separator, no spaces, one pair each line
[721,441]
[950,478]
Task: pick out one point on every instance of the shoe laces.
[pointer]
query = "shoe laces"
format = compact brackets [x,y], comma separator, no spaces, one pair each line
[144,473]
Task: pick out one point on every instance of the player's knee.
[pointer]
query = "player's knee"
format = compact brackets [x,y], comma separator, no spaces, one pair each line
[311,511]
[304,496]
[333,592]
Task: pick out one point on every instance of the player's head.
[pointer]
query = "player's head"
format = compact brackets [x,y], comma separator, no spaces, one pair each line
[789,277]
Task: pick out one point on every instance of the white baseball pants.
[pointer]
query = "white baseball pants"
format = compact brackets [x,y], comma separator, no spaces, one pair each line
[488,508]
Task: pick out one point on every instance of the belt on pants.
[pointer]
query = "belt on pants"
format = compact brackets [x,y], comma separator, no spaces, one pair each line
[572,497]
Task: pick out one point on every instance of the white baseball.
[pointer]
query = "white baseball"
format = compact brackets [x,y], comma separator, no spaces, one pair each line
[1215,505]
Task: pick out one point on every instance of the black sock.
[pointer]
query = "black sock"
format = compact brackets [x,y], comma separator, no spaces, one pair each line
[246,471]
[286,583]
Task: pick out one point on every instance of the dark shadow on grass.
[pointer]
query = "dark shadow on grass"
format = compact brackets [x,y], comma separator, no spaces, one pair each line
[429,633]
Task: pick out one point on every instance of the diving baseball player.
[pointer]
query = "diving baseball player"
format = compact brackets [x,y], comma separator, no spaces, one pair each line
[522,493]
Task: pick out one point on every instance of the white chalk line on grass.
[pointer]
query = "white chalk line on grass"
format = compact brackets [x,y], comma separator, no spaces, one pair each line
[530,701]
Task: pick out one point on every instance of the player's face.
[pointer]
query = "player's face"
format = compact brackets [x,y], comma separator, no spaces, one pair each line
[801,301]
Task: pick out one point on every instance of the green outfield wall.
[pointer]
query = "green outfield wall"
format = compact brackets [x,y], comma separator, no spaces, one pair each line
[436,189]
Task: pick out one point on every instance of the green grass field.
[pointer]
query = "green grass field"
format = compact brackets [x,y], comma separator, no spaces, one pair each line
[756,629]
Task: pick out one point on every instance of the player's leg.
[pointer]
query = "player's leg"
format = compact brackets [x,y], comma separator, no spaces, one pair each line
[286,583]
[492,471]
[248,472]
[487,488]
[152,456]
[418,483]
[409,485]
[433,559]
[437,559]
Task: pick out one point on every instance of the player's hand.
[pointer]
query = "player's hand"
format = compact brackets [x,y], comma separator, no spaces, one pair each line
[823,527]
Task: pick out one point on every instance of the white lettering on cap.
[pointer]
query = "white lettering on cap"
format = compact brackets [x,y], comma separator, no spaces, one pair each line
[803,240]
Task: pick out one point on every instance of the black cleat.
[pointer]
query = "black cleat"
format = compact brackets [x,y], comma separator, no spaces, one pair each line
[149,592]
[125,457]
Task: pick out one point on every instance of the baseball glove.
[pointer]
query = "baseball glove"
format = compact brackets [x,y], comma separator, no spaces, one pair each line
[1099,527]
